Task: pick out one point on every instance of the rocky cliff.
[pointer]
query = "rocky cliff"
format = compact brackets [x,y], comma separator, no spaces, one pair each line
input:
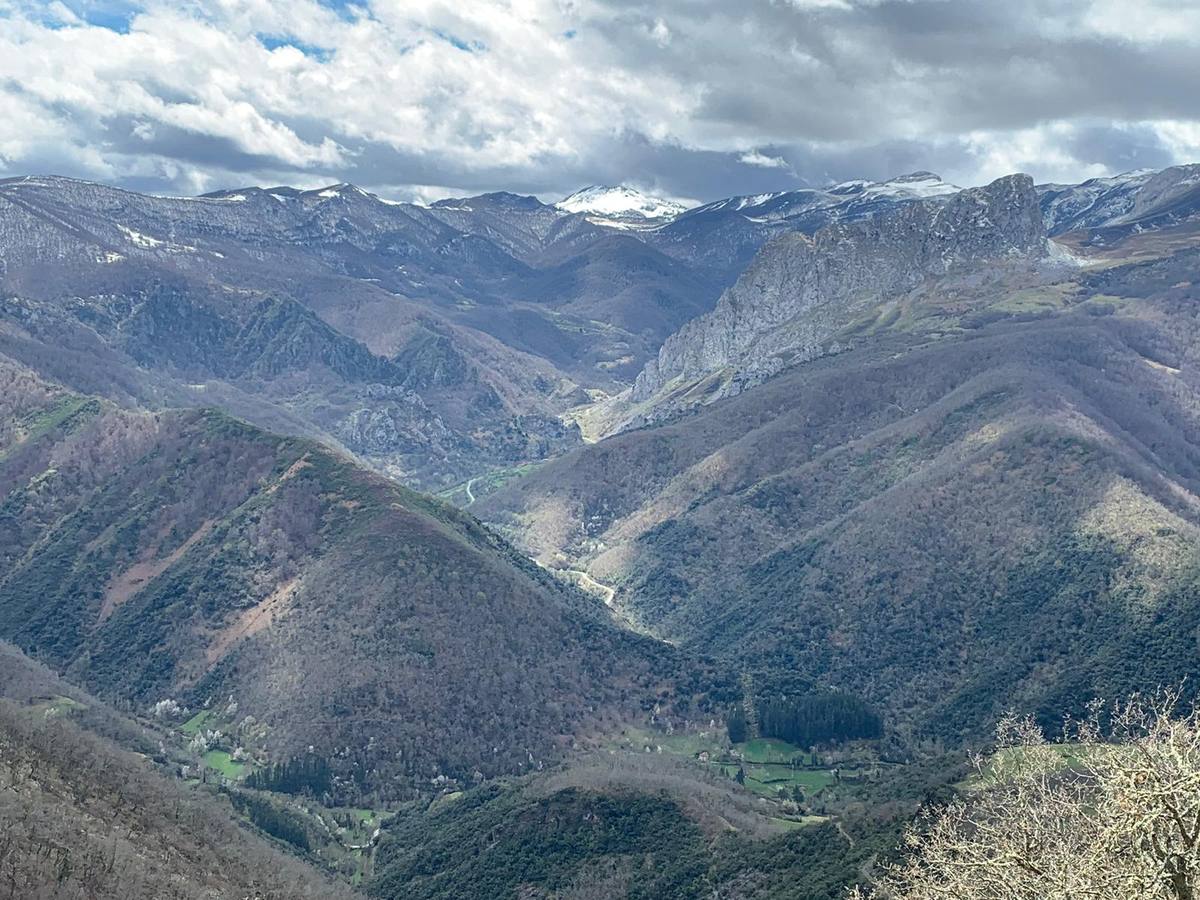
[799,291]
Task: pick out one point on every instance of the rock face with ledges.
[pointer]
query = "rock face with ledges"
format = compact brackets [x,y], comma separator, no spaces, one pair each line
[800,290]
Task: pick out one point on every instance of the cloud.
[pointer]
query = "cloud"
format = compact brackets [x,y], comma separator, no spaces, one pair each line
[660,33]
[698,99]
[754,158]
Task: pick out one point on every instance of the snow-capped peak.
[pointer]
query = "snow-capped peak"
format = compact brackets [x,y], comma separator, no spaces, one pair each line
[619,202]
[915,185]
[341,189]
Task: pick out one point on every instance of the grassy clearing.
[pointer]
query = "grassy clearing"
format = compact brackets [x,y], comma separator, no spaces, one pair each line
[768,780]
[799,822]
[770,750]
[690,744]
[221,761]
[197,722]
[58,706]
[767,762]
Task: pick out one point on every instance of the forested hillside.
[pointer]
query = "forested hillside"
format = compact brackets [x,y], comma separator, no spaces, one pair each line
[189,556]
[81,815]
[645,831]
[981,492]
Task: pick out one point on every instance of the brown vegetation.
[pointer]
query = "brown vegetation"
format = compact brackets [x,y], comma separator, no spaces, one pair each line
[415,644]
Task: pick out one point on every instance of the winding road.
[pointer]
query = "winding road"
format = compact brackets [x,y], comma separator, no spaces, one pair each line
[586,581]
[590,584]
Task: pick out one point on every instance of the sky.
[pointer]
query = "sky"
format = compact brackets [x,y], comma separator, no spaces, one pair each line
[691,99]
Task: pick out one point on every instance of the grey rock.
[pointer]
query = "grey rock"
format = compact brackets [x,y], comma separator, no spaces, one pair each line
[798,291]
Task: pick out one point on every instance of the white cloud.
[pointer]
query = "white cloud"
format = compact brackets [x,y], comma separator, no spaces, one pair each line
[1039,151]
[1142,20]
[1183,138]
[660,33]
[754,158]
[501,93]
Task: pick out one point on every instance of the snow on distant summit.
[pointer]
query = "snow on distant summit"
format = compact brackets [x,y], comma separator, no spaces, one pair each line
[811,208]
[619,202]
[915,185]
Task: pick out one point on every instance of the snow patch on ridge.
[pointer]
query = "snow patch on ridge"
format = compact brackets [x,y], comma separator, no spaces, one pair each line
[916,185]
[619,202]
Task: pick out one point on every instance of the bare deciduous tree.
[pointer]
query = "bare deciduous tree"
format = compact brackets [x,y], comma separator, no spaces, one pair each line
[1110,819]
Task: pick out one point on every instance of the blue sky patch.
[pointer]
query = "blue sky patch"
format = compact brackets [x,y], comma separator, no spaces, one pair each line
[115,15]
[458,43]
[274,42]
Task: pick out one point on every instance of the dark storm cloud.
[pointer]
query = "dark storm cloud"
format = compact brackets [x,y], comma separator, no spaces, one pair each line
[1119,149]
[830,74]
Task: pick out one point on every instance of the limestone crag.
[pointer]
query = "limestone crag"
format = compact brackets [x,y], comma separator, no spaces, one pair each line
[799,291]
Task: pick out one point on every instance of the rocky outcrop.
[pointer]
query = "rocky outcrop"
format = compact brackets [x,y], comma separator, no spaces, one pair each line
[799,291]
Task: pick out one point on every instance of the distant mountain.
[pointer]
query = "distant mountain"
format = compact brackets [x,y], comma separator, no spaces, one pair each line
[849,199]
[434,342]
[607,205]
[1094,203]
[723,236]
[448,340]
[799,292]
[423,340]
[1144,198]
[799,296]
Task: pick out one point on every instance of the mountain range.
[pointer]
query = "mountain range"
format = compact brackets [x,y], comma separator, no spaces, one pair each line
[934,458]
[186,556]
[901,452]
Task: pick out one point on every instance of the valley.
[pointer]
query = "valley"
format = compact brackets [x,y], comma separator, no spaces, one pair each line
[604,548]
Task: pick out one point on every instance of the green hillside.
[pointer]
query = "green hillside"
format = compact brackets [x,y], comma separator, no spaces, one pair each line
[189,556]
[88,809]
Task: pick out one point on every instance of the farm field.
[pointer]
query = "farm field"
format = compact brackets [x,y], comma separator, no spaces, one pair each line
[767,763]
[221,761]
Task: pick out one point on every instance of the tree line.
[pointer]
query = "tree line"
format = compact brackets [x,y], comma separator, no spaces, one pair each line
[809,720]
[308,773]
